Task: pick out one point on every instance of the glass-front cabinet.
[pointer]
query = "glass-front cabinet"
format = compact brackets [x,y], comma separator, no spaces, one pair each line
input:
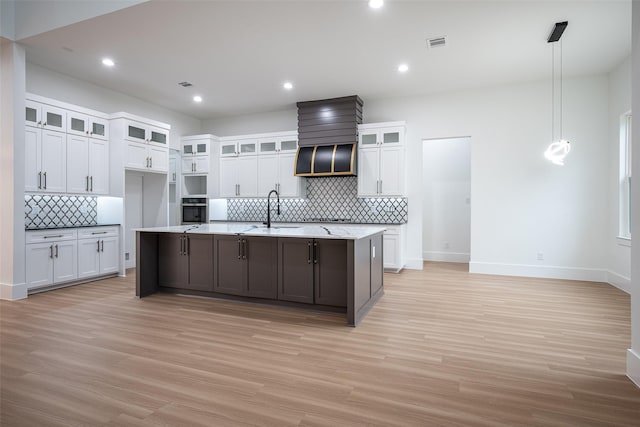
[242,147]
[138,132]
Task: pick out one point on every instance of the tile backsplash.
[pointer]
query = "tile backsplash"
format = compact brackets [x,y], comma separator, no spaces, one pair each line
[47,211]
[331,198]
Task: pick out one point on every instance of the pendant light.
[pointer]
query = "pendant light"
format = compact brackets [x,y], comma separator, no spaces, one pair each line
[559,148]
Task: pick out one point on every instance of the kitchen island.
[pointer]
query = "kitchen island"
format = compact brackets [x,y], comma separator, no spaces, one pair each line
[332,268]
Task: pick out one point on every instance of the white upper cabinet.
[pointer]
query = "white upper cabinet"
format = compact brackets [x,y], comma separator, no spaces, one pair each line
[86,125]
[381,159]
[66,148]
[242,147]
[196,158]
[146,143]
[276,158]
[239,176]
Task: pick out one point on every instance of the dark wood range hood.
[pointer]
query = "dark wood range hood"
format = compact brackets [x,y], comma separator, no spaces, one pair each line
[328,137]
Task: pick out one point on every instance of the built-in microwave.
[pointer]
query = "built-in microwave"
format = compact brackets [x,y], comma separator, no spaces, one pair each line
[195,210]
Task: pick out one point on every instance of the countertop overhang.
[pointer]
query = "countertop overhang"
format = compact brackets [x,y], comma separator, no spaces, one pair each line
[278,230]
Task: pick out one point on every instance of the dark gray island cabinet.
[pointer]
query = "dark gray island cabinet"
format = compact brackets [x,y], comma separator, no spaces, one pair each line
[337,269]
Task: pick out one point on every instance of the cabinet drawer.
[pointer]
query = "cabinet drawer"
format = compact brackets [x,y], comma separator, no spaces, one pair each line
[93,232]
[55,235]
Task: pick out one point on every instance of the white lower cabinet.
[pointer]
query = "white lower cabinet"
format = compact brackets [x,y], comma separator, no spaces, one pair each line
[97,251]
[51,257]
[393,242]
[66,255]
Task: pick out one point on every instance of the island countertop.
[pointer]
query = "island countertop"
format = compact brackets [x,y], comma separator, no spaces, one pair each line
[277,230]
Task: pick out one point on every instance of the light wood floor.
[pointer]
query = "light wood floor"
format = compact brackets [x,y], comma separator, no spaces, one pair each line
[442,347]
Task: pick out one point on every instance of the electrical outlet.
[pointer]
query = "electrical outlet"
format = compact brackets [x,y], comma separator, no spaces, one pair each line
[540,256]
[126,256]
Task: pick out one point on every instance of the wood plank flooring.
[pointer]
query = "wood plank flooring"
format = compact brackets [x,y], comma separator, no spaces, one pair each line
[442,348]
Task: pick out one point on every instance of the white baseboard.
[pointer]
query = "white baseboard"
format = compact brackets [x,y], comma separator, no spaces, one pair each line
[445,256]
[633,366]
[619,281]
[414,264]
[13,292]
[549,272]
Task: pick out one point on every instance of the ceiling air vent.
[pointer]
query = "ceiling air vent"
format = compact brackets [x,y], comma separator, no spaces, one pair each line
[436,42]
[185,84]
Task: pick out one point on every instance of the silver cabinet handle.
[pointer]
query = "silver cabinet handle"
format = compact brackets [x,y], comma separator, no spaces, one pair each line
[309,253]
[86,179]
[239,248]
[91,179]
[51,251]
[181,246]
[45,180]
[187,245]
[53,237]
[98,232]
[150,161]
[147,162]
[102,246]
[39,179]
[315,252]
[380,186]
[56,251]
[98,242]
[244,248]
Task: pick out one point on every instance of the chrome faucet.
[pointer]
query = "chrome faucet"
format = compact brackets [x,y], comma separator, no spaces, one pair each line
[269,206]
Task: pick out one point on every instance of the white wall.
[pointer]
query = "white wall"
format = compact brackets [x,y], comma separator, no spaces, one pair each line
[7,19]
[619,103]
[633,355]
[446,193]
[521,203]
[51,84]
[12,152]
[274,121]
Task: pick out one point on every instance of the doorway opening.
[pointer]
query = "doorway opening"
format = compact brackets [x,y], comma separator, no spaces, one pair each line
[446,199]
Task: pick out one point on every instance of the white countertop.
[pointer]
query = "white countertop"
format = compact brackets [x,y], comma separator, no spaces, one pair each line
[343,232]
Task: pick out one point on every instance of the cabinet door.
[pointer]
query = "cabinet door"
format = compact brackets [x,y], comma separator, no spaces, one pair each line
[33,113]
[188,165]
[54,161]
[98,128]
[391,246]
[248,147]
[201,164]
[330,259]
[54,118]
[228,177]
[39,262]
[158,136]
[78,159]
[158,159]
[377,269]
[109,259]
[200,258]
[98,166]
[33,159]
[391,170]
[267,173]
[248,176]
[172,263]
[136,132]
[228,149]
[88,257]
[137,157]
[288,184]
[172,169]
[229,266]
[368,137]
[295,270]
[65,261]
[201,148]
[368,172]
[262,267]
[77,124]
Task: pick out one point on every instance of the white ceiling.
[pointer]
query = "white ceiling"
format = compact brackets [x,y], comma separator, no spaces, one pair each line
[238,53]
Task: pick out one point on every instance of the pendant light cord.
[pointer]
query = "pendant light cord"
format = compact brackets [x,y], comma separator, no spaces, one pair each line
[553,91]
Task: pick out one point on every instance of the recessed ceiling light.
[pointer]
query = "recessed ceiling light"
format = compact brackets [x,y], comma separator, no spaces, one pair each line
[403,68]
[197,98]
[376,4]
[108,62]
[288,85]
